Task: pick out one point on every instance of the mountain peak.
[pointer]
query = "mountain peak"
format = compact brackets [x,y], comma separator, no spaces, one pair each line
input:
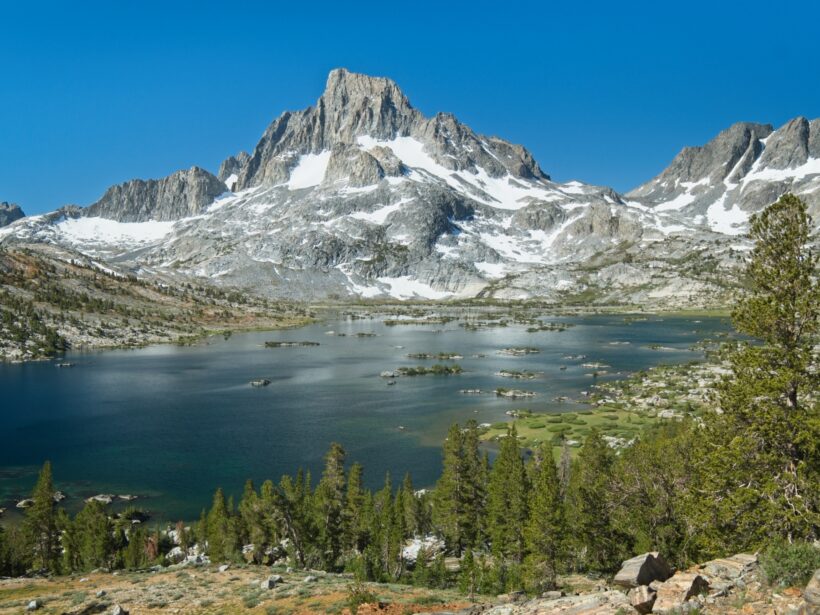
[354,104]
[9,212]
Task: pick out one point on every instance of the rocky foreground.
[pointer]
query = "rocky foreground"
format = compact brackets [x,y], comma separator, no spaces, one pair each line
[645,584]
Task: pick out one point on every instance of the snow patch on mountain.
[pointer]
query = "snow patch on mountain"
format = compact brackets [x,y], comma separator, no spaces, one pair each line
[310,171]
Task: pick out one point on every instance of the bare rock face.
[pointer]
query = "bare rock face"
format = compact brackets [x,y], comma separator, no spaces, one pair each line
[642,598]
[675,592]
[642,570]
[811,596]
[231,167]
[351,165]
[9,212]
[601,603]
[742,170]
[354,106]
[184,193]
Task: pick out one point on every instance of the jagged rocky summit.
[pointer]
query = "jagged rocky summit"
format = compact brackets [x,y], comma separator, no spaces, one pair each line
[9,212]
[741,171]
[362,195]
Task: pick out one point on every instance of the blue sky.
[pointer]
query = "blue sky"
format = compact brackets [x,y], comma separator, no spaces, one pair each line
[96,93]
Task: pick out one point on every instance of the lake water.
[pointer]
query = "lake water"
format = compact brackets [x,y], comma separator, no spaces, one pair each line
[171,423]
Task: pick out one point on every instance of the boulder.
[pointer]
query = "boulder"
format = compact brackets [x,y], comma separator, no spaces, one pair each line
[310,579]
[224,567]
[674,593]
[642,598]
[725,574]
[270,582]
[34,605]
[516,596]
[100,593]
[175,555]
[811,596]
[642,570]
[729,568]
[118,610]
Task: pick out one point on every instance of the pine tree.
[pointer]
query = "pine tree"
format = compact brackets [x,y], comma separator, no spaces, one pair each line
[135,554]
[95,536]
[41,522]
[330,503]
[459,495]
[410,506]
[507,501]
[354,525]
[545,528]
[468,575]
[598,545]
[218,528]
[251,523]
[421,571]
[651,479]
[761,457]
[564,467]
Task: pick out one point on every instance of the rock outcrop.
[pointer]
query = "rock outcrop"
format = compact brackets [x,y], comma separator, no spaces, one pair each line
[643,570]
[181,194]
[742,170]
[9,212]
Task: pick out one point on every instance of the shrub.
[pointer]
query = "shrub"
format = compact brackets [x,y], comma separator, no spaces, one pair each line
[788,564]
[357,595]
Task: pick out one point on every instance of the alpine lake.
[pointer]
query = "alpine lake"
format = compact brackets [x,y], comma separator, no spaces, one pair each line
[169,424]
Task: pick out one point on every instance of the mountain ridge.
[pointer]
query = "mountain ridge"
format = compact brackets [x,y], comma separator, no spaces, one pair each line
[361,195]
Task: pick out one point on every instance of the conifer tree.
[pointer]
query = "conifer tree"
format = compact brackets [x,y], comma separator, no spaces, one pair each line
[135,554]
[468,575]
[410,506]
[95,536]
[597,543]
[354,523]
[330,504]
[545,528]
[218,528]
[421,570]
[459,495]
[761,458]
[507,501]
[41,522]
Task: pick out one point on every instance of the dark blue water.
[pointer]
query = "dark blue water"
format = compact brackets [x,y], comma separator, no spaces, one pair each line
[170,423]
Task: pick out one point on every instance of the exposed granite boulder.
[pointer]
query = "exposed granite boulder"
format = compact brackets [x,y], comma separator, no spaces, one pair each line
[642,598]
[181,194]
[9,212]
[674,593]
[600,603]
[810,604]
[642,570]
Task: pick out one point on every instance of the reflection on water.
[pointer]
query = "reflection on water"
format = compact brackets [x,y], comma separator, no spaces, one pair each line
[172,423]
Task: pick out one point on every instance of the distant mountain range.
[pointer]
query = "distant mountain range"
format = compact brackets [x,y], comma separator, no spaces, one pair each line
[363,196]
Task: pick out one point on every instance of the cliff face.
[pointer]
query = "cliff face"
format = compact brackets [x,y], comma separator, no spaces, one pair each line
[9,212]
[741,171]
[182,194]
